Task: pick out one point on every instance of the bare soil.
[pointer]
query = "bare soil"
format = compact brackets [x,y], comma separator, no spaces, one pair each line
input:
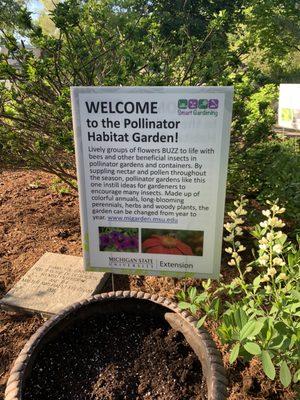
[34,219]
[117,357]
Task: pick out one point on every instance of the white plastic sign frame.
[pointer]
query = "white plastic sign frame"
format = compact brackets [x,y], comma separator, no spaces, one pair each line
[183,133]
[289,106]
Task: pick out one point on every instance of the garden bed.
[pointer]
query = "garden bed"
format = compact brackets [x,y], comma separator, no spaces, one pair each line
[36,219]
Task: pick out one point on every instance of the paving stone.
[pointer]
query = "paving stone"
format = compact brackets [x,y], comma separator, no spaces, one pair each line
[53,283]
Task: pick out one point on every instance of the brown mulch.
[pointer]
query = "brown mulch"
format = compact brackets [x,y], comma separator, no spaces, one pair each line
[35,219]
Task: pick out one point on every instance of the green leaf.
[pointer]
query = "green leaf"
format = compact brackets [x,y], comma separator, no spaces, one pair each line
[297,314]
[216,307]
[294,339]
[294,307]
[192,291]
[295,294]
[183,305]
[193,308]
[269,335]
[252,348]
[240,318]
[281,328]
[268,365]
[251,329]
[206,285]
[277,342]
[256,233]
[285,374]
[274,309]
[282,239]
[201,321]
[291,260]
[256,281]
[181,295]
[200,298]
[296,377]
[234,353]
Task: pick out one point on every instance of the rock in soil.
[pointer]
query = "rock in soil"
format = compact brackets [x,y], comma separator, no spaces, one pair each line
[117,357]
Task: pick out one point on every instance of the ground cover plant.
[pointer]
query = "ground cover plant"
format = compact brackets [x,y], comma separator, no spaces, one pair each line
[260,314]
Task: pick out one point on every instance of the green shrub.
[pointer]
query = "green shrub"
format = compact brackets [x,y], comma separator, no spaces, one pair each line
[135,42]
[269,171]
[108,43]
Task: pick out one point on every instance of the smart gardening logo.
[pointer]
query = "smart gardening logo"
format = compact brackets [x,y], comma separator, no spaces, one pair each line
[206,107]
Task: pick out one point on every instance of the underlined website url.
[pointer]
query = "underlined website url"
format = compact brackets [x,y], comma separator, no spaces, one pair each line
[155,220]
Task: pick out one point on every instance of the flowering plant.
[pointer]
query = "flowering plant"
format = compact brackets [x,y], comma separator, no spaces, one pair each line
[118,239]
[166,244]
[261,315]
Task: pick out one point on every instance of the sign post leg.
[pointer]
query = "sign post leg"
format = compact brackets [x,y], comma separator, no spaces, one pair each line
[112,282]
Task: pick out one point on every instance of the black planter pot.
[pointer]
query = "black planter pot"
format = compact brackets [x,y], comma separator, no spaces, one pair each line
[124,301]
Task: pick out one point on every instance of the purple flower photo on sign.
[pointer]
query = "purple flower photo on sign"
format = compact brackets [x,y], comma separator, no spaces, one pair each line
[118,239]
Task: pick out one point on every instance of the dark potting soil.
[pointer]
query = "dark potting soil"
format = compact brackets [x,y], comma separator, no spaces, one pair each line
[117,357]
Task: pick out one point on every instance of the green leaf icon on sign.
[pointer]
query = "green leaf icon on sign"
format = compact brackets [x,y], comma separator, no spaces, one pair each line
[182,103]
[203,103]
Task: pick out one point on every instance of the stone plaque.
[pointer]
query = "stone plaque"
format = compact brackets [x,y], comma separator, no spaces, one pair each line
[52,284]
